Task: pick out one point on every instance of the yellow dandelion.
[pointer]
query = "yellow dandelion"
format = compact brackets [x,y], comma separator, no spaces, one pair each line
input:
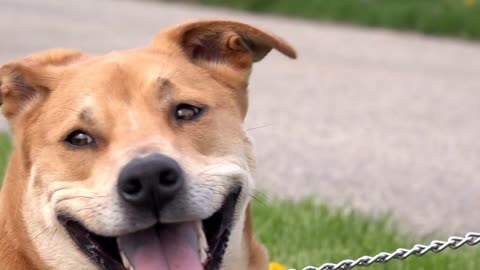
[277,266]
[469,3]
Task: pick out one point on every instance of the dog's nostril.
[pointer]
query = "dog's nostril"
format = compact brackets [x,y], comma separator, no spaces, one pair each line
[168,178]
[132,187]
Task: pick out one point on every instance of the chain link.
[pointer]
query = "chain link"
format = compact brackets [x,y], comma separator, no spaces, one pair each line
[470,239]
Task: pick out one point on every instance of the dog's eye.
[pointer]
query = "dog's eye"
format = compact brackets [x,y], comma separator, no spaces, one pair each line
[187,112]
[79,138]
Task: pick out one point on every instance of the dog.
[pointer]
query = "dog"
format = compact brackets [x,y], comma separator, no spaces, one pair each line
[134,159]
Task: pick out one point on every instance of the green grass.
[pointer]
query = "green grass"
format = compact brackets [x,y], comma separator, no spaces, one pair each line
[5,148]
[300,234]
[460,18]
[303,233]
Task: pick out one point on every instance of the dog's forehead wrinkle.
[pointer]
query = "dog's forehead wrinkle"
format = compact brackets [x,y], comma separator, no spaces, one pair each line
[86,115]
[164,82]
[165,88]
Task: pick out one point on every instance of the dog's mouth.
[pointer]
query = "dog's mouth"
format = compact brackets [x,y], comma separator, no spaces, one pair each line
[161,247]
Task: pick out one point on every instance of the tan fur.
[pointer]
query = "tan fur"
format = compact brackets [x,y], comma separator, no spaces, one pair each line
[124,99]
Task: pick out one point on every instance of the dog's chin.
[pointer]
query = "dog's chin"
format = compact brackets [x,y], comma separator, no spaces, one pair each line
[162,246]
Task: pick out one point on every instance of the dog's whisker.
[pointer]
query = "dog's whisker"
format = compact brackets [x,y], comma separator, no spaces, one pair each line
[51,237]
[258,196]
[44,230]
[263,194]
[259,127]
[258,199]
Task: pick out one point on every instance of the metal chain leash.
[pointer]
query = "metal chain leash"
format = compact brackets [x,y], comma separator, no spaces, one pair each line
[470,239]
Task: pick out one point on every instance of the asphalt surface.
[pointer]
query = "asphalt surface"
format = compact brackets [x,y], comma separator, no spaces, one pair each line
[372,119]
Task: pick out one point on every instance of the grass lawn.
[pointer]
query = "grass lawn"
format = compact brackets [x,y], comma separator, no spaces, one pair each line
[460,18]
[299,234]
[5,148]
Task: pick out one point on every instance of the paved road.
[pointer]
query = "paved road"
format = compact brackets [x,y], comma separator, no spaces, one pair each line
[373,119]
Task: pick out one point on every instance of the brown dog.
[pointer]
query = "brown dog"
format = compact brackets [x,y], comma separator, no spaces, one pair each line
[133,159]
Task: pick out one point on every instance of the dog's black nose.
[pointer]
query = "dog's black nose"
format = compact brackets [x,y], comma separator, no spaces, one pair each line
[150,182]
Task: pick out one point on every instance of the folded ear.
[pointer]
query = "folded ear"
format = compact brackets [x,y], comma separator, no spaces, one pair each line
[25,80]
[231,43]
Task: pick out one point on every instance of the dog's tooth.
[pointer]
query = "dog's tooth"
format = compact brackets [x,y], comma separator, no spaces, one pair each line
[202,242]
[125,262]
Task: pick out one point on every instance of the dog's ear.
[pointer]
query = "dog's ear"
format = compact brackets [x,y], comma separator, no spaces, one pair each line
[222,43]
[27,79]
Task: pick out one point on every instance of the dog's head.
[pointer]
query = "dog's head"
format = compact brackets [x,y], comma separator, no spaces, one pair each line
[137,157]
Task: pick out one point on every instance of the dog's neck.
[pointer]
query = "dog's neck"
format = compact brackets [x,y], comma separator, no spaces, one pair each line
[16,249]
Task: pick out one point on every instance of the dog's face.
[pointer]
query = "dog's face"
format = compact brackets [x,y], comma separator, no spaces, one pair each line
[138,159]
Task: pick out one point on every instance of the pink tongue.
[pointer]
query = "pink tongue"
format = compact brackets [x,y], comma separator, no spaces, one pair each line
[166,247]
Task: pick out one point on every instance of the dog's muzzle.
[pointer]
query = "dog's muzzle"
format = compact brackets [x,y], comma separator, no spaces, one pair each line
[147,185]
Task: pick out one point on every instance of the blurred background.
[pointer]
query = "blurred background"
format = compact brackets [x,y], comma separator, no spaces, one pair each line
[369,140]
